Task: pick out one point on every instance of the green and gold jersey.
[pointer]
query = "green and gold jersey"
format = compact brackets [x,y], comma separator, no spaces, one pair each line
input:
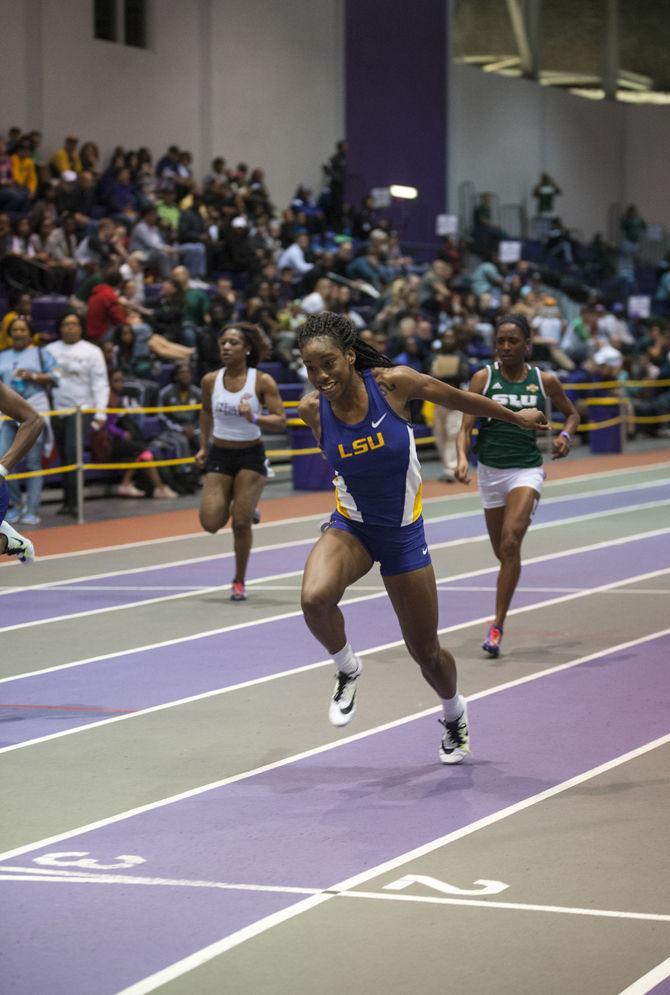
[500,444]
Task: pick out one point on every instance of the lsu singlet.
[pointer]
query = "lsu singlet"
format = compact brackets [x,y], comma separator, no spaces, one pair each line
[500,444]
[378,480]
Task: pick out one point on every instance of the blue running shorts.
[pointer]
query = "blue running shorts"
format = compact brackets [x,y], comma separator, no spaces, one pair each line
[397,550]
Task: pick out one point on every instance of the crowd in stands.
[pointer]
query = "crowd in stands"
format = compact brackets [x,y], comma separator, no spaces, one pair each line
[142,265]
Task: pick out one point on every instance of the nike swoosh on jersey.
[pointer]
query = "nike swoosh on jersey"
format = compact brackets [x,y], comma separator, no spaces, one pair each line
[379,420]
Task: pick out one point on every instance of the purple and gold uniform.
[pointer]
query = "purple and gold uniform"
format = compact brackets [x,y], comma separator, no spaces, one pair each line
[378,482]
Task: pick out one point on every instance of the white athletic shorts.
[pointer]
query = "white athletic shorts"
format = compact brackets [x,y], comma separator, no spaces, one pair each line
[496,483]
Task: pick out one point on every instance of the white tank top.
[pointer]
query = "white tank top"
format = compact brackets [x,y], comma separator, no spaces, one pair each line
[228,422]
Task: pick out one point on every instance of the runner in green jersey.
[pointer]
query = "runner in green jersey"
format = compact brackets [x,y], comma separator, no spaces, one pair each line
[510,471]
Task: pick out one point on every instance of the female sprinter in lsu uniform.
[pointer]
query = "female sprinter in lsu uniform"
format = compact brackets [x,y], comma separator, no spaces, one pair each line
[510,468]
[233,400]
[359,414]
[30,429]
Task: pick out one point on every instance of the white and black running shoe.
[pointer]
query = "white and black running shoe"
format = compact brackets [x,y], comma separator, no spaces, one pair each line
[343,702]
[17,545]
[455,744]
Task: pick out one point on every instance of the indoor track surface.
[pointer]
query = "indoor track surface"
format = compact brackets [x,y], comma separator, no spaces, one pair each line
[179,815]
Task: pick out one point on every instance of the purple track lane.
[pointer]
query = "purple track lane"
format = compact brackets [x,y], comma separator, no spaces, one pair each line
[314,822]
[29,706]
[26,606]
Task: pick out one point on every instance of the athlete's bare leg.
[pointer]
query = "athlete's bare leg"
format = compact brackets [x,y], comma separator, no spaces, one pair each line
[337,560]
[414,599]
[507,526]
[215,500]
[247,489]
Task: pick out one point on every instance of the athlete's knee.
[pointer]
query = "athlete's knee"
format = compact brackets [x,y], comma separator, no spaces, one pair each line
[209,524]
[425,652]
[241,524]
[315,599]
[510,545]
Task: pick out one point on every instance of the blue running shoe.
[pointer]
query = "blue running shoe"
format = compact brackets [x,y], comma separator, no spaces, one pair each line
[491,644]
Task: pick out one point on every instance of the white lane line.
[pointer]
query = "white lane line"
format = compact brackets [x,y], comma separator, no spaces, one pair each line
[181,967]
[649,980]
[34,874]
[290,544]
[562,482]
[55,585]
[346,601]
[314,751]
[229,554]
[511,906]
[349,601]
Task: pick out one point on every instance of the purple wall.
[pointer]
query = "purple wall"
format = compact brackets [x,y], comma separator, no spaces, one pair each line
[396,121]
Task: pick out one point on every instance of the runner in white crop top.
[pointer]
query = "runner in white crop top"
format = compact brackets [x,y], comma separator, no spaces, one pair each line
[237,402]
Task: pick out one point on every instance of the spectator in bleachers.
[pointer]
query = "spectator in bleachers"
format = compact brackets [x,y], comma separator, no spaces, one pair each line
[100,248]
[13,135]
[560,243]
[181,429]
[23,168]
[632,227]
[30,371]
[21,307]
[13,196]
[217,174]
[167,317]
[368,268]
[167,166]
[580,340]
[66,158]
[486,278]
[146,237]
[57,278]
[196,300]
[320,298]
[45,206]
[82,382]
[485,233]
[104,310]
[451,366]
[295,258]
[192,228]
[89,156]
[341,303]
[545,192]
[121,199]
[120,439]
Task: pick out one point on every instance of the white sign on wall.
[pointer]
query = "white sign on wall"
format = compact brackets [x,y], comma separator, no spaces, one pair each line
[446,224]
[381,197]
[509,252]
[639,306]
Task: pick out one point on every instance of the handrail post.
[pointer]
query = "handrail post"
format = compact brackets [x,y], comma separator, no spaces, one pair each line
[79,448]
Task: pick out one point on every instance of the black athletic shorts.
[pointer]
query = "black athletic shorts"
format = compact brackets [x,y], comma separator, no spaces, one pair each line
[231,461]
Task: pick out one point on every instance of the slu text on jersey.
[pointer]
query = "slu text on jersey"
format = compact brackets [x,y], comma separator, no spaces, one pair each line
[360,446]
[516,400]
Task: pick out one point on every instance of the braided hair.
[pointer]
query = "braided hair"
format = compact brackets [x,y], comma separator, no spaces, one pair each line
[345,335]
[254,337]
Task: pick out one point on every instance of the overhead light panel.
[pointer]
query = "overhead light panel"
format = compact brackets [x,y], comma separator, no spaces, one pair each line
[402,192]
